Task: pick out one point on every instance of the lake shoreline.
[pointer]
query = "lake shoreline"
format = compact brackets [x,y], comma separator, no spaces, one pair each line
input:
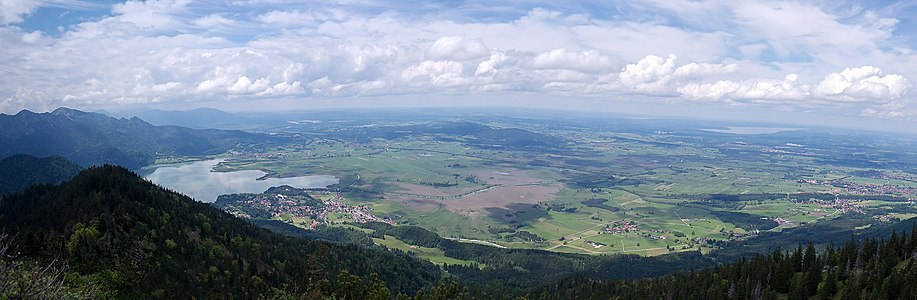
[198,179]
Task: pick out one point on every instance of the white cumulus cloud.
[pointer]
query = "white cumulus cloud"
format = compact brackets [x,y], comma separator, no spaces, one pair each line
[438,73]
[866,82]
[492,64]
[12,11]
[590,61]
[787,89]
[457,48]
[657,75]
[652,74]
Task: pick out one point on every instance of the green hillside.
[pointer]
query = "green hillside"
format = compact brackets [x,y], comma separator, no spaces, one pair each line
[18,172]
[131,239]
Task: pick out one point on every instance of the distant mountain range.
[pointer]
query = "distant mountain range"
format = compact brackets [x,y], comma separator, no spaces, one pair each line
[95,139]
[20,171]
[200,118]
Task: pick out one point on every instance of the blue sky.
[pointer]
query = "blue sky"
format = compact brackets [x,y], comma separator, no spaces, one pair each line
[818,62]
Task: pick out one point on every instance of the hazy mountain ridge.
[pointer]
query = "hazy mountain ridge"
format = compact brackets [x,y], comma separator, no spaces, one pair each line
[199,118]
[95,139]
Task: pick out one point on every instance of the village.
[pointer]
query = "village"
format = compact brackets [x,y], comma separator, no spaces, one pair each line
[908,192]
[358,213]
[290,208]
[625,227]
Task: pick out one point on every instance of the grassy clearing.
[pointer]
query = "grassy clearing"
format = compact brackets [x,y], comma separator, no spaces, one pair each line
[434,255]
[449,224]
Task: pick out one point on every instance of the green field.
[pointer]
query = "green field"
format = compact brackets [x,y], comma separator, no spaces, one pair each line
[432,254]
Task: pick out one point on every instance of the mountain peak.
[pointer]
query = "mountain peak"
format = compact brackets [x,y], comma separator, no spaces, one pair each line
[25,112]
[66,111]
[208,109]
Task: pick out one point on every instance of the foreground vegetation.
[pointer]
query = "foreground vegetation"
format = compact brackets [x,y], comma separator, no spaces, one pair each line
[127,238]
[867,269]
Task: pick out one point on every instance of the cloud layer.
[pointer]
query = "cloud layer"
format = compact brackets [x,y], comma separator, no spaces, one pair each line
[756,53]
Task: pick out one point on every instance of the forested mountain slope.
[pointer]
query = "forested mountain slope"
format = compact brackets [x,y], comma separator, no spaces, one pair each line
[133,239]
[858,269]
[20,171]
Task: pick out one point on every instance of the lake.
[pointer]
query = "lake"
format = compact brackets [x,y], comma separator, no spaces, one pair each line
[751,130]
[197,181]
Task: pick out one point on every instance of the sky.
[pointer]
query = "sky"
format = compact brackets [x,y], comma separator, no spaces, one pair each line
[849,64]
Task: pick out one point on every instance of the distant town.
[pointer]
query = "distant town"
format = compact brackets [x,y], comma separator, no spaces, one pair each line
[296,209]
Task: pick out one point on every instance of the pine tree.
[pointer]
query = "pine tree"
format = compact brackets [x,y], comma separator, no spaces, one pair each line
[377,289]
[349,286]
[828,288]
[809,258]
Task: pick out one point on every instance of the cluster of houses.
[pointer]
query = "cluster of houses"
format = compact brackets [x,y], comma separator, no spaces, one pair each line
[248,154]
[595,244]
[875,189]
[653,237]
[238,213]
[286,208]
[359,213]
[621,227]
[782,221]
[275,205]
[686,220]
[844,206]
[624,227]
[887,217]
[866,189]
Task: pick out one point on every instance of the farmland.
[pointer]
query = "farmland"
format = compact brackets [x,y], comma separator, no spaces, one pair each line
[600,187]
